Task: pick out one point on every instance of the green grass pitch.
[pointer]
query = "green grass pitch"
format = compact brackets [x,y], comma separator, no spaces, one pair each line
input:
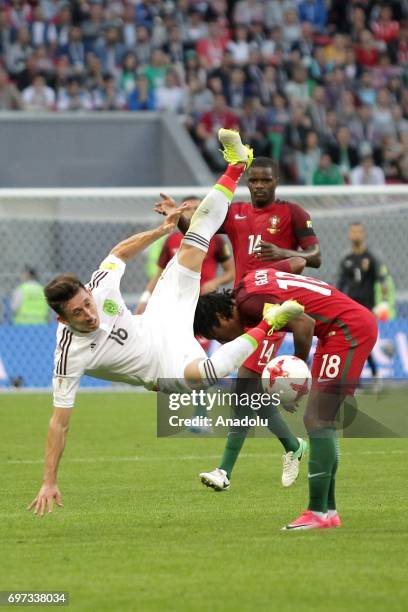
[138,532]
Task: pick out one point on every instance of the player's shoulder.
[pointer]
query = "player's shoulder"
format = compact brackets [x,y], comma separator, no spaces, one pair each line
[292,207]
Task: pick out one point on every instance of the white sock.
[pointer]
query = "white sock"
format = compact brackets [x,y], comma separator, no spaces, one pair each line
[207,219]
[331,513]
[226,359]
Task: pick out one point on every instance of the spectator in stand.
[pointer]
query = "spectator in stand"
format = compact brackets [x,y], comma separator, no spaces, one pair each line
[109,97]
[298,88]
[73,97]
[200,99]
[58,33]
[237,90]
[207,130]
[361,127]
[367,50]
[386,29]
[211,49]
[252,126]
[382,116]
[277,119]
[248,11]
[129,30]
[365,91]
[75,49]
[93,26]
[197,29]
[143,97]
[239,46]
[307,161]
[336,51]
[171,96]
[143,49]
[18,52]
[327,173]
[111,51]
[5,32]
[318,109]
[10,99]
[343,153]
[315,12]
[157,69]
[38,96]
[175,47]
[366,173]
[128,77]
[275,11]
[291,29]
[306,44]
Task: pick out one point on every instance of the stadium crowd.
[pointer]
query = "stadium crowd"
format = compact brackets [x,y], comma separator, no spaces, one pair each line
[317,85]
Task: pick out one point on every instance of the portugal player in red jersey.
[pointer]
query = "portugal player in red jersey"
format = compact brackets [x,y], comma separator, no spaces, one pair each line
[346,333]
[279,234]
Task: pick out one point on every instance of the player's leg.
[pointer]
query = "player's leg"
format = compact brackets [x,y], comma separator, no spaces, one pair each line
[212,211]
[230,356]
[341,361]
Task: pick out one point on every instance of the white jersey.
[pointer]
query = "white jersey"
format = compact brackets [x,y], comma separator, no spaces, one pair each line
[134,349]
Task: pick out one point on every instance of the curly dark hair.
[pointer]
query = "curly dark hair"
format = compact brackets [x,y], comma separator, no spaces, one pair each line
[209,306]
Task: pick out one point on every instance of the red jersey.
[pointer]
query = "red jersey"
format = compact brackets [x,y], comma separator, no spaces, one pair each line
[284,224]
[218,252]
[331,309]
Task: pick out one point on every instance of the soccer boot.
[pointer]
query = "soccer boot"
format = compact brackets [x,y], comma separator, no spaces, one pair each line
[279,315]
[291,462]
[217,479]
[234,151]
[307,520]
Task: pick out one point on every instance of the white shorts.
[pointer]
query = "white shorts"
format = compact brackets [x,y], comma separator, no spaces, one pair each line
[170,314]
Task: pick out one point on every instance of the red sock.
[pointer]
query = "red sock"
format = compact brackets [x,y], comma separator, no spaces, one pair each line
[259,332]
[230,178]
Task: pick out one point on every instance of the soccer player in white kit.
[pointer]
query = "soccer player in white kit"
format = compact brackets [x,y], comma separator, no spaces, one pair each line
[98,336]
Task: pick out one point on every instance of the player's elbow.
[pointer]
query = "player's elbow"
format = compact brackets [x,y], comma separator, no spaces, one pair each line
[119,252]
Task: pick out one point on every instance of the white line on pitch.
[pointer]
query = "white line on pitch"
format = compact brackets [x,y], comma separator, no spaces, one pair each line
[149,458]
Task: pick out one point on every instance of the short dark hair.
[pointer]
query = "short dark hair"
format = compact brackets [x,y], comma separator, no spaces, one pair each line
[62,289]
[209,306]
[266,162]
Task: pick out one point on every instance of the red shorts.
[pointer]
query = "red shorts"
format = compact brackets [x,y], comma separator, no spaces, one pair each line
[267,349]
[340,356]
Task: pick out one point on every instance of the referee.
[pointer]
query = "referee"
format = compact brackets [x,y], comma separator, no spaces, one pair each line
[359,273]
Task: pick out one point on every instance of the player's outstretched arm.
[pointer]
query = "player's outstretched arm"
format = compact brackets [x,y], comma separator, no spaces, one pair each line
[302,329]
[129,248]
[49,491]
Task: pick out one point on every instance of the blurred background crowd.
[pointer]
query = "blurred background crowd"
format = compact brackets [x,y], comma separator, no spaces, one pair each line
[318,85]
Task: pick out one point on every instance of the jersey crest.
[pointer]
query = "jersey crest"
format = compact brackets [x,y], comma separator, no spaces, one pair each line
[274,221]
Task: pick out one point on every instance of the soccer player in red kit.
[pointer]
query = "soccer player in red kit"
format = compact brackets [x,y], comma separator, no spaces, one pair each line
[346,333]
[275,234]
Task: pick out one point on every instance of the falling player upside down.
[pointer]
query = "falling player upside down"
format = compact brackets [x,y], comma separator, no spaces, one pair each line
[98,336]
[346,333]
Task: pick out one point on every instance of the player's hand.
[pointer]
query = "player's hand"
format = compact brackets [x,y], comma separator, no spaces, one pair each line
[267,251]
[172,218]
[209,286]
[141,308]
[44,502]
[165,205]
